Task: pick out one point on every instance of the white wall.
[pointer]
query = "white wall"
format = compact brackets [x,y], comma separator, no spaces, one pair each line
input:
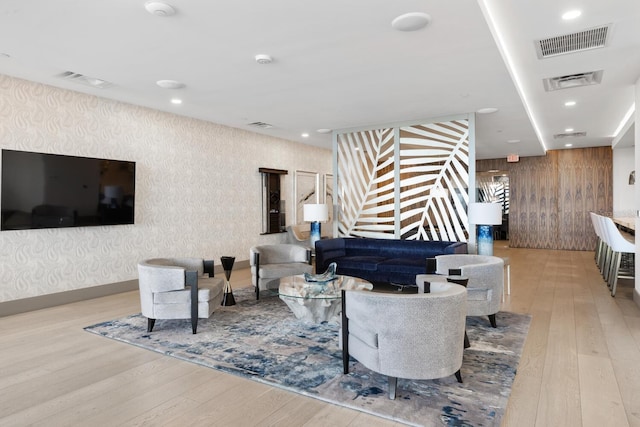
[623,193]
[198,189]
[636,293]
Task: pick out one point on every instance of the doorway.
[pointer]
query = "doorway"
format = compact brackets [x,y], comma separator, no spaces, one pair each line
[492,186]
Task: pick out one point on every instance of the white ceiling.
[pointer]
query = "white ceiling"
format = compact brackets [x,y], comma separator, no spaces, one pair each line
[337,64]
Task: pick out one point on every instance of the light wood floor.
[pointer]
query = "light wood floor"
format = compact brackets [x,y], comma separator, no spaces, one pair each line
[580,365]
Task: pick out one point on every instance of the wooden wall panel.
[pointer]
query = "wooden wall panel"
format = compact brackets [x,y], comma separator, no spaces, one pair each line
[552,195]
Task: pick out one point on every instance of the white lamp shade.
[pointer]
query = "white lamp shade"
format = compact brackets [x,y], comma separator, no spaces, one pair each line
[316,212]
[485,213]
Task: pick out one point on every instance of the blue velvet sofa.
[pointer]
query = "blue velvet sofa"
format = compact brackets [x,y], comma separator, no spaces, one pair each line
[382,260]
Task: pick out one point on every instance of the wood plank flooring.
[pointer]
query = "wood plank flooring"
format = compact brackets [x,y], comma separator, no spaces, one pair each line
[580,365]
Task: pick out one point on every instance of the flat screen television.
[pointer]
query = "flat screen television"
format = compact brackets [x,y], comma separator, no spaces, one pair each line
[50,191]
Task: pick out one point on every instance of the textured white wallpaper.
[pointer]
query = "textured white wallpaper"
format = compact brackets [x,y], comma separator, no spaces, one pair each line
[197,187]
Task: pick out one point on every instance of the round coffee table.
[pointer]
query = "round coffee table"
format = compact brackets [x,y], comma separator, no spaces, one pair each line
[317,302]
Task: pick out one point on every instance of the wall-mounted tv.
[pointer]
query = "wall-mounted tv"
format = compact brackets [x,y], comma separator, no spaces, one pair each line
[50,191]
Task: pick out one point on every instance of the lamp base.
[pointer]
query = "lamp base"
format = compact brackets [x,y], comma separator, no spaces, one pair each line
[485,240]
[314,236]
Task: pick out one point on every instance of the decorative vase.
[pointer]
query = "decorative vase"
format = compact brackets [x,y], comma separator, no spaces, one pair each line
[322,278]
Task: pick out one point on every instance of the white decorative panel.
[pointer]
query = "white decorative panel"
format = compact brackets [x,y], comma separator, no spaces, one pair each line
[365,183]
[197,192]
[434,177]
[407,182]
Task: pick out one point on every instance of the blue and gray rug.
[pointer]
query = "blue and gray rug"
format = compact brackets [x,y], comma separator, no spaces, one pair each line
[263,341]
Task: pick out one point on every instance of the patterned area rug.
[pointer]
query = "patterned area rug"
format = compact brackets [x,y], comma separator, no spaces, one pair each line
[263,341]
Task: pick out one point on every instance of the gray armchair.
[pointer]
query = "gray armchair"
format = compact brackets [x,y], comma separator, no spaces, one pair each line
[271,262]
[413,336]
[177,288]
[486,281]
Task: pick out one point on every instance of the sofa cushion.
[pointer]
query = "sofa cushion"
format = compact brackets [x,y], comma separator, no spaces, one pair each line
[398,248]
[403,265]
[382,260]
[367,263]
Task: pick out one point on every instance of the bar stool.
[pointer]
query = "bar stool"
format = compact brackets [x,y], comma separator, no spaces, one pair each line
[600,244]
[605,253]
[619,245]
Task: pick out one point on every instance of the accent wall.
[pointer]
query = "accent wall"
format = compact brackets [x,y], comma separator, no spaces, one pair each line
[198,189]
[551,197]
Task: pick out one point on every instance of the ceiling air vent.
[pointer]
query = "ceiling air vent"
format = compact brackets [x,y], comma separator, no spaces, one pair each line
[593,38]
[262,125]
[572,80]
[85,80]
[569,135]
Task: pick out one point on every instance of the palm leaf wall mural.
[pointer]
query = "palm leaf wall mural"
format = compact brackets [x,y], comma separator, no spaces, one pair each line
[421,196]
[434,176]
[365,185]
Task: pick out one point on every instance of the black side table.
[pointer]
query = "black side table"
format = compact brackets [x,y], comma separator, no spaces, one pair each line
[227,265]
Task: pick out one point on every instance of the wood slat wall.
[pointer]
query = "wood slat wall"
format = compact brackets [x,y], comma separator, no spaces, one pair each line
[552,195]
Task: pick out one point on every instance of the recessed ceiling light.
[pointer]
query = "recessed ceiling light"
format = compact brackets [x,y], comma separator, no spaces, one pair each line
[570,103]
[324,131]
[176,101]
[305,135]
[568,145]
[487,110]
[264,59]
[170,84]
[411,21]
[568,130]
[513,141]
[571,14]
[159,8]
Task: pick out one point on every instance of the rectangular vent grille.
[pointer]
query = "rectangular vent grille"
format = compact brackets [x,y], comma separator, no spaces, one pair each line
[85,80]
[593,38]
[572,80]
[262,125]
[569,135]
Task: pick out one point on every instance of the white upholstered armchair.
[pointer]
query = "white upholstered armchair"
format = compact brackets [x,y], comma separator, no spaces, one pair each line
[271,262]
[412,336]
[178,288]
[486,281]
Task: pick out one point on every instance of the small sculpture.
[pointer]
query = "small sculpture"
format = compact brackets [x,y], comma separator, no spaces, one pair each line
[325,277]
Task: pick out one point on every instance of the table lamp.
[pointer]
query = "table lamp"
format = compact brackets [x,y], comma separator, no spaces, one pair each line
[315,213]
[485,216]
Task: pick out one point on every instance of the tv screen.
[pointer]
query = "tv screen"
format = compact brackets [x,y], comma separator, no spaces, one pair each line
[50,191]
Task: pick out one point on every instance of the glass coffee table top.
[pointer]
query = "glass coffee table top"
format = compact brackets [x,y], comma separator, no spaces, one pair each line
[317,302]
[297,287]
